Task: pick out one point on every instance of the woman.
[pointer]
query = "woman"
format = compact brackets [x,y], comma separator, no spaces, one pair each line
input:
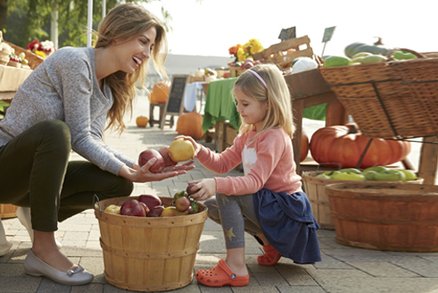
[62,106]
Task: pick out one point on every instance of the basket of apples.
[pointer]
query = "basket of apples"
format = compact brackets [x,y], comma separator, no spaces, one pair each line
[149,243]
[315,183]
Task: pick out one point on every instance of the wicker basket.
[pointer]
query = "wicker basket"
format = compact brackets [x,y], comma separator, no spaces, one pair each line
[315,189]
[386,216]
[7,211]
[387,100]
[149,254]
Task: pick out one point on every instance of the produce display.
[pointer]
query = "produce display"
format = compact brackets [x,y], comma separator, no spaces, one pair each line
[360,53]
[149,205]
[375,173]
[343,145]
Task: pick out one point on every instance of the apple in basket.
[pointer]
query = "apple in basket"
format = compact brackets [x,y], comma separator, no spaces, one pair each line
[182,204]
[150,200]
[156,211]
[149,154]
[133,207]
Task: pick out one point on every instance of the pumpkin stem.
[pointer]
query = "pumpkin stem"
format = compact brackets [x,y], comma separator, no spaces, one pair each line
[352,128]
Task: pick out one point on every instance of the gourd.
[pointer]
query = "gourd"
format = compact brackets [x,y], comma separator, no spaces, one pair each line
[190,124]
[355,48]
[343,145]
[159,93]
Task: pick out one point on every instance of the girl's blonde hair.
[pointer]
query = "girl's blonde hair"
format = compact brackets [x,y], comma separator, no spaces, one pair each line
[125,22]
[265,83]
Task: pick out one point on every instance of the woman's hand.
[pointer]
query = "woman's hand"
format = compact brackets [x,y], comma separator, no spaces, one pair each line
[206,188]
[143,174]
[196,145]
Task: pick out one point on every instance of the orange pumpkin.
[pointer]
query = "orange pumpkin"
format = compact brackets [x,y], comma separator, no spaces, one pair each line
[343,145]
[304,146]
[159,93]
[190,124]
[141,121]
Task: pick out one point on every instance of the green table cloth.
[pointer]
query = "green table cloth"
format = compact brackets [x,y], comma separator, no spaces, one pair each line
[219,104]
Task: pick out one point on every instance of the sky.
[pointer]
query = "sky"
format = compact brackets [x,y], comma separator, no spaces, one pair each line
[210,27]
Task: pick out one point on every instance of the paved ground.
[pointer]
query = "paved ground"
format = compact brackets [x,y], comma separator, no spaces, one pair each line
[343,269]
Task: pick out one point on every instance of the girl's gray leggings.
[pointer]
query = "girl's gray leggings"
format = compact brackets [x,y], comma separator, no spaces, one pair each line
[236,215]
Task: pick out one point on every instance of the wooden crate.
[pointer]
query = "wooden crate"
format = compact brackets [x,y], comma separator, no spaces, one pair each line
[285,52]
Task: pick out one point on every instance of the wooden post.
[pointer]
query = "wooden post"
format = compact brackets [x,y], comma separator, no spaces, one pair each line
[429,160]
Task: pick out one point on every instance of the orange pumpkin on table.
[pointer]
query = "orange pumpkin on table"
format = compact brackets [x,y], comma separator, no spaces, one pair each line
[159,93]
[343,145]
[190,124]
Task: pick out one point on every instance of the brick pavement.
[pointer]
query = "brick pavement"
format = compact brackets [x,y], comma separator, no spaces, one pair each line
[343,269]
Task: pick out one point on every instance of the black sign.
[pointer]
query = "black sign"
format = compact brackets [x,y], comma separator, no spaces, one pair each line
[328,33]
[287,34]
[176,95]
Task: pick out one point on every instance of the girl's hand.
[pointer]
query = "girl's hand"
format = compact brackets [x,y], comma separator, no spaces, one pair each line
[143,174]
[196,145]
[206,189]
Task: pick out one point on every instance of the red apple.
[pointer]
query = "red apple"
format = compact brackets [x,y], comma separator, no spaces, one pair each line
[146,155]
[167,160]
[132,207]
[182,204]
[155,211]
[150,200]
[191,188]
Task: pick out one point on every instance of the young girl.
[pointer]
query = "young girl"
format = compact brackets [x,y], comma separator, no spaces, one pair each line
[65,105]
[267,201]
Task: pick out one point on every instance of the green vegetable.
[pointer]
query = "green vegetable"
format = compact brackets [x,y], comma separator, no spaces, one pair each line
[335,61]
[402,55]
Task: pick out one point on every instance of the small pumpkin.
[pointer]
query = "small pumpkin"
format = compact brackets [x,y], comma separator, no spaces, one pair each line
[141,121]
[304,146]
[159,93]
[190,124]
[343,145]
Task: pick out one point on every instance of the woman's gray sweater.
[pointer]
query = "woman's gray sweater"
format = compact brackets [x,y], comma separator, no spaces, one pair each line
[65,87]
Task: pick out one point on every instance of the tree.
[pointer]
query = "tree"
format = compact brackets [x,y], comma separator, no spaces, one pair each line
[30,19]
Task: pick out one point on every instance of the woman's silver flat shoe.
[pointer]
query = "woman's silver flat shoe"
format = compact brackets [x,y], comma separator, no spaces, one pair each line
[34,266]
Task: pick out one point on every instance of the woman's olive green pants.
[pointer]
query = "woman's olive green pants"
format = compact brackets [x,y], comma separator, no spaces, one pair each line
[35,172]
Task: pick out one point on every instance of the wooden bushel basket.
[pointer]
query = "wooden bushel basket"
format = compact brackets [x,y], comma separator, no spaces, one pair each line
[7,211]
[391,217]
[149,253]
[315,189]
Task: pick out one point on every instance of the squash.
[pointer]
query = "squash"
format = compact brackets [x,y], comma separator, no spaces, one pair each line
[343,145]
[355,48]
[159,93]
[190,124]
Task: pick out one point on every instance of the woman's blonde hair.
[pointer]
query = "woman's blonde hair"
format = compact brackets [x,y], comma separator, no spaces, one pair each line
[124,22]
[265,83]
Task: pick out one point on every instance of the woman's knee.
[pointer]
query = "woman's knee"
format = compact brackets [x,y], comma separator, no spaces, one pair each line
[56,135]
[124,187]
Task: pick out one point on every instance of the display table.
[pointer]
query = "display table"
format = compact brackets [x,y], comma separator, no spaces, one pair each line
[11,78]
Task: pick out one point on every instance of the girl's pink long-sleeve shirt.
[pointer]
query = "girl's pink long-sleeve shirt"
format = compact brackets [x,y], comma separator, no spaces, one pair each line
[267,159]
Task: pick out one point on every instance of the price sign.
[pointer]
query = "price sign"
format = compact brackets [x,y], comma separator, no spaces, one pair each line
[287,34]
[328,33]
